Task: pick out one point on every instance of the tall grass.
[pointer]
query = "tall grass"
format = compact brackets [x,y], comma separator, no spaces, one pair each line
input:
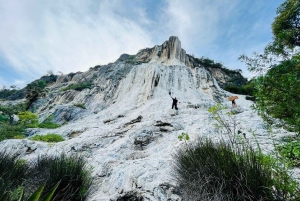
[218,171]
[12,172]
[71,171]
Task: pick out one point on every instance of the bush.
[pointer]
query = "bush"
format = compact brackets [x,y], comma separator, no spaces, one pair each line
[51,137]
[70,170]
[248,89]
[77,87]
[278,92]
[50,125]
[291,151]
[28,119]
[6,93]
[80,105]
[217,171]
[10,131]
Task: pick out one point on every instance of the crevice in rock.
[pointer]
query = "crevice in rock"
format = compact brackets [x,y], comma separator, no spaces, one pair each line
[138,119]
[160,123]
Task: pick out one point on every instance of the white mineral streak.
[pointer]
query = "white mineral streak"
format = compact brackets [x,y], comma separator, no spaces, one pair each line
[137,158]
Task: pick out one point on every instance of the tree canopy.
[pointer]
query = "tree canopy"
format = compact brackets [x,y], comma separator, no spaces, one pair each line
[278,86]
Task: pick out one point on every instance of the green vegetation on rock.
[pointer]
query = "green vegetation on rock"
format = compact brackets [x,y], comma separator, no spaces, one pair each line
[34,90]
[80,105]
[28,119]
[51,137]
[77,87]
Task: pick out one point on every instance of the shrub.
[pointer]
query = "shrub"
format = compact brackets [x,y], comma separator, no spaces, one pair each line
[51,137]
[10,131]
[70,170]
[6,93]
[8,111]
[290,151]
[77,87]
[80,105]
[28,119]
[19,136]
[49,125]
[217,171]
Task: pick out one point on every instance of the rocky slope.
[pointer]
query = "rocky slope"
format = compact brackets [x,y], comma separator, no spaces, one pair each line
[128,132]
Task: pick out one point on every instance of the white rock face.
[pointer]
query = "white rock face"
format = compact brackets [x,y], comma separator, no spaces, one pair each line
[129,133]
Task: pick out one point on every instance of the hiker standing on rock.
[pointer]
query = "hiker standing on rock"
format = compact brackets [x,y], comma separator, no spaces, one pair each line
[233,103]
[175,101]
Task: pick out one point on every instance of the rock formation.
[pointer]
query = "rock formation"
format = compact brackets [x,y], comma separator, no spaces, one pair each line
[128,132]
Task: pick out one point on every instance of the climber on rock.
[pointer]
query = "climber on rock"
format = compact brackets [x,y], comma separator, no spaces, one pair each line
[175,101]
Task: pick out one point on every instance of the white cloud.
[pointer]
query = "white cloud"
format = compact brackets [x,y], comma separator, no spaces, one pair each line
[67,36]
[70,36]
[197,22]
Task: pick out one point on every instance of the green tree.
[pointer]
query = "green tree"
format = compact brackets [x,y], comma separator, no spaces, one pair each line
[278,93]
[277,89]
[286,27]
[35,90]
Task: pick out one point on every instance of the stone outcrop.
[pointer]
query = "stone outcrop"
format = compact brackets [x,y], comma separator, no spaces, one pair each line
[226,77]
[169,53]
[128,132]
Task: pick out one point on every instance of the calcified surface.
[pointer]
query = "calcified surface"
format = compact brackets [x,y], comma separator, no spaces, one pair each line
[129,133]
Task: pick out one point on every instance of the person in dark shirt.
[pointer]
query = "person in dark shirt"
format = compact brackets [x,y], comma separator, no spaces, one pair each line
[175,101]
[233,103]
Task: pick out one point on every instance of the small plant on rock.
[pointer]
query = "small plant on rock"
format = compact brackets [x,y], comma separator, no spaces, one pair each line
[183,136]
[80,105]
[51,137]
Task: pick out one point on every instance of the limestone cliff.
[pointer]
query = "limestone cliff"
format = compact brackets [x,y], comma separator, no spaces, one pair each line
[128,132]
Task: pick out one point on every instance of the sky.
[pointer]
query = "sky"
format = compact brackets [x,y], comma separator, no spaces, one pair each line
[38,36]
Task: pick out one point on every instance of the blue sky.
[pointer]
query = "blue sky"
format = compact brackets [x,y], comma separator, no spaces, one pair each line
[74,35]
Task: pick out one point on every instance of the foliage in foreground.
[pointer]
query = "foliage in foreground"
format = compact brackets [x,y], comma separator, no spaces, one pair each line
[34,197]
[17,176]
[12,172]
[71,171]
[216,171]
[50,137]
[278,93]
[279,69]
[290,151]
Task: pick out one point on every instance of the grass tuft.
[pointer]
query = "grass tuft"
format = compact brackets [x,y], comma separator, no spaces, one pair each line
[12,172]
[71,171]
[217,171]
[17,176]
[49,125]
